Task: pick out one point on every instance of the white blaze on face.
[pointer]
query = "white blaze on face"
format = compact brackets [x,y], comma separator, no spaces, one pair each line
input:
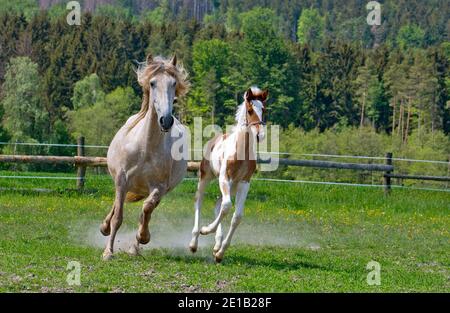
[258,109]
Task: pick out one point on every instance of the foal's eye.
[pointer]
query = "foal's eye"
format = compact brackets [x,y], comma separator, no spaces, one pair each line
[175,100]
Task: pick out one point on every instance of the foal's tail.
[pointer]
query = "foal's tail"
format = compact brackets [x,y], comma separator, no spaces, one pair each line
[133,197]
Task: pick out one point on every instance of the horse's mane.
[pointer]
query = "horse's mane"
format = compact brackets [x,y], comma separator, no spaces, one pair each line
[147,70]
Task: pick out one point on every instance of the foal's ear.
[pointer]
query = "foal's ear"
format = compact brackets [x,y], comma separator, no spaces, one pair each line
[149,58]
[249,95]
[265,95]
[174,60]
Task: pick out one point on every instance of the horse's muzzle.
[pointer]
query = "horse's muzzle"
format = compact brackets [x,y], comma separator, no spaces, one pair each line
[166,123]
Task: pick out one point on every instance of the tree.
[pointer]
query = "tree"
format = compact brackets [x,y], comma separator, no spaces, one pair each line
[410,36]
[211,65]
[24,115]
[26,7]
[369,94]
[87,92]
[311,26]
[159,15]
[265,62]
[99,122]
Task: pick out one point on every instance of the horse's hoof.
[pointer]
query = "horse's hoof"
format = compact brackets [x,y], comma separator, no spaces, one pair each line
[134,251]
[143,240]
[204,231]
[107,256]
[105,229]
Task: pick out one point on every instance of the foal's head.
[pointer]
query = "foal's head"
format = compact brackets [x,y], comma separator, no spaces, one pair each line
[163,82]
[255,104]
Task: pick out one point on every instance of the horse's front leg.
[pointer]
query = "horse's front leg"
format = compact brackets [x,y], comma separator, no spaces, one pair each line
[241,196]
[143,234]
[114,219]
[225,189]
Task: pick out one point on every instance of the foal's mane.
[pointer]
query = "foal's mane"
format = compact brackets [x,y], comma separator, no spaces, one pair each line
[149,69]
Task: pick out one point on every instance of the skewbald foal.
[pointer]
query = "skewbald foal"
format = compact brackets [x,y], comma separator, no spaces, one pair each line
[231,158]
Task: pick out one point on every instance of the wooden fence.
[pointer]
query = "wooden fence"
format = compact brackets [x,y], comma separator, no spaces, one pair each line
[81,162]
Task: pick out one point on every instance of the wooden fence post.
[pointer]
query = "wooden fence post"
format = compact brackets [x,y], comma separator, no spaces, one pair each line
[81,170]
[387,178]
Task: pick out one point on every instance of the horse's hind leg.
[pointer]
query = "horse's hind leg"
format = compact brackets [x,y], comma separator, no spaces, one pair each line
[143,234]
[105,228]
[115,221]
[241,196]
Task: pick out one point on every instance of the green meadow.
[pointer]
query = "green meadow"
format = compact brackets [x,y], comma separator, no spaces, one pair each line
[294,238]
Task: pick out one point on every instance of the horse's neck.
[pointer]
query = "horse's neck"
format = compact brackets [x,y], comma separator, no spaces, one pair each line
[152,136]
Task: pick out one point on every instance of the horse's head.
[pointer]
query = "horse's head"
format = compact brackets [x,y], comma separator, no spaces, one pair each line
[163,82]
[255,102]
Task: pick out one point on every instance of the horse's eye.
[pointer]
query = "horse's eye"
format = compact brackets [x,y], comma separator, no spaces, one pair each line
[175,100]
[152,84]
[174,83]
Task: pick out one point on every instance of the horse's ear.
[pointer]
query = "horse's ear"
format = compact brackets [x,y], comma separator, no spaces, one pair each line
[149,58]
[249,95]
[265,95]
[174,60]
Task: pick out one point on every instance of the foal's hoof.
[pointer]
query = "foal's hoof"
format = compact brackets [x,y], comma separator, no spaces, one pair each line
[107,256]
[193,249]
[105,229]
[143,239]
[218,259]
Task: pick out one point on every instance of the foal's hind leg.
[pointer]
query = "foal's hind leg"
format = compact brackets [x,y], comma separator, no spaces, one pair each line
[241,196]
[143,234]
[219,234]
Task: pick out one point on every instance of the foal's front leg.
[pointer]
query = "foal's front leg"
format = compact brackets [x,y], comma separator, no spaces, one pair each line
[143,234]
[241,196]
[225,188]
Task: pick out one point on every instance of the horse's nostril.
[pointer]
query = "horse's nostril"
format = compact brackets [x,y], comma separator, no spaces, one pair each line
[166,122]
[170,121]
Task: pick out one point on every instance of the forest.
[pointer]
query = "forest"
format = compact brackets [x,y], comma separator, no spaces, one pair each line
[329,73]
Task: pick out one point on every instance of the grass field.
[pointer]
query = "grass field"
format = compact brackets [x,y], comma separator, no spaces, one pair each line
[294,238]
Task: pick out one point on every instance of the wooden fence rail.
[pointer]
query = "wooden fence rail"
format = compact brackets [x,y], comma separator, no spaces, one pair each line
[419,177]
[81,162]
[336,165]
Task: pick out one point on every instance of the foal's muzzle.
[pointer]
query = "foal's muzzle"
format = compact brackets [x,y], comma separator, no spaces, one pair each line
[166,122]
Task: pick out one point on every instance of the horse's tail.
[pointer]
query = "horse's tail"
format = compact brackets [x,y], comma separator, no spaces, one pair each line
[133,197]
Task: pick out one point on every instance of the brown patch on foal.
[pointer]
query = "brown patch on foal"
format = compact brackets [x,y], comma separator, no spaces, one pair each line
[241,169]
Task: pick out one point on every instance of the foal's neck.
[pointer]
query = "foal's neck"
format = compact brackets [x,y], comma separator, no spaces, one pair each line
[246,140]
